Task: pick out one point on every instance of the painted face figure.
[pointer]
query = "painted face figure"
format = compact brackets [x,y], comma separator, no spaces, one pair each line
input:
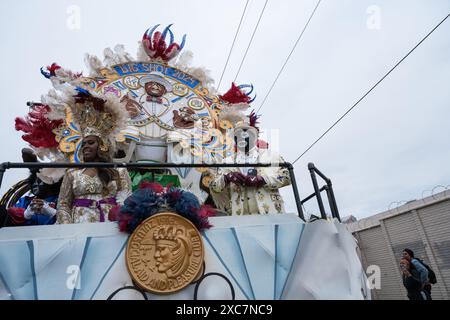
[155,89]
[37,187]
[245,139]
[163,256]
[89,148]
[171,251]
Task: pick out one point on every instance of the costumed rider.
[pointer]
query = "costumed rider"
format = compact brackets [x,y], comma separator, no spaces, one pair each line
[88,194]
[38,208]
[248,190]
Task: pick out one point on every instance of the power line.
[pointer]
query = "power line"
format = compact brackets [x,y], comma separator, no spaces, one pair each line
[251,40]
[289,56]
[370,90]
[232,45]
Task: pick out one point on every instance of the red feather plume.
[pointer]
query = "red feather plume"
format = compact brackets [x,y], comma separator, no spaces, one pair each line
[52,69]
[154,186]
[253,120]
[204,213]
[235,95]
[156,46]
[38,128]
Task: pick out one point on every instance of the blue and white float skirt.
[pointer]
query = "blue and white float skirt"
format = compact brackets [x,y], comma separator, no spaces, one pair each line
[250,257]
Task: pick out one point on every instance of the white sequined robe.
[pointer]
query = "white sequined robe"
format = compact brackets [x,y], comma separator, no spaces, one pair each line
[240,200]
[78,185]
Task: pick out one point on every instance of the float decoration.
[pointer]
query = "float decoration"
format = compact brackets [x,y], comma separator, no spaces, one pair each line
[152,198]
[187,112]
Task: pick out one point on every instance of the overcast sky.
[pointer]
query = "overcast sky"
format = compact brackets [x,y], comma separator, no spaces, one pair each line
[392,147]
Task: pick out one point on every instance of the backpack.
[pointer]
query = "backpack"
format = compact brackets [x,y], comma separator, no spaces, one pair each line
[431,274]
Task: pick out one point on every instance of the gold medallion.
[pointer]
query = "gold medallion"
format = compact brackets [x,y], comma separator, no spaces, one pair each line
[165,253]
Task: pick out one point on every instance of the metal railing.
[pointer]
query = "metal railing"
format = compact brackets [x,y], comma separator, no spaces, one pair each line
[19,165]
[328,188]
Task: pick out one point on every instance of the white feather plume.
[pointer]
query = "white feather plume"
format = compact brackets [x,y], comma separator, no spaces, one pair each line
[203,75]
[117,109]
[184,62]
[48,154]
[57,103]
[51,175]
[94,65]
[234,113]
[110,58]
[65,75]
[121,55]
[141,55]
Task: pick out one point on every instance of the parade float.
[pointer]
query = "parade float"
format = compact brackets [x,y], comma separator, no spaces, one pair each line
[195,211]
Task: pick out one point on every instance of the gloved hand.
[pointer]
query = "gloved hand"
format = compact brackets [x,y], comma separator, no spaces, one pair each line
[48,210]
[254,181]
[37,205]
[234,177]
[29,212]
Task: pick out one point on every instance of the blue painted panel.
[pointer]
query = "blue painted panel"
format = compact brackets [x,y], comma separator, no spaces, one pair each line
[258,249]
[226,247]
[16,269]
[99,255]
[288,237]
[57,263]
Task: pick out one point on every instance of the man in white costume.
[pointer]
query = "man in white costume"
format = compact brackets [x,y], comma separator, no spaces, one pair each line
[248,190]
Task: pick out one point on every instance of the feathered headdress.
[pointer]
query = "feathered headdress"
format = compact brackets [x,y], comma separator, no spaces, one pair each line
[90,114]
[248,122]
[236,102]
